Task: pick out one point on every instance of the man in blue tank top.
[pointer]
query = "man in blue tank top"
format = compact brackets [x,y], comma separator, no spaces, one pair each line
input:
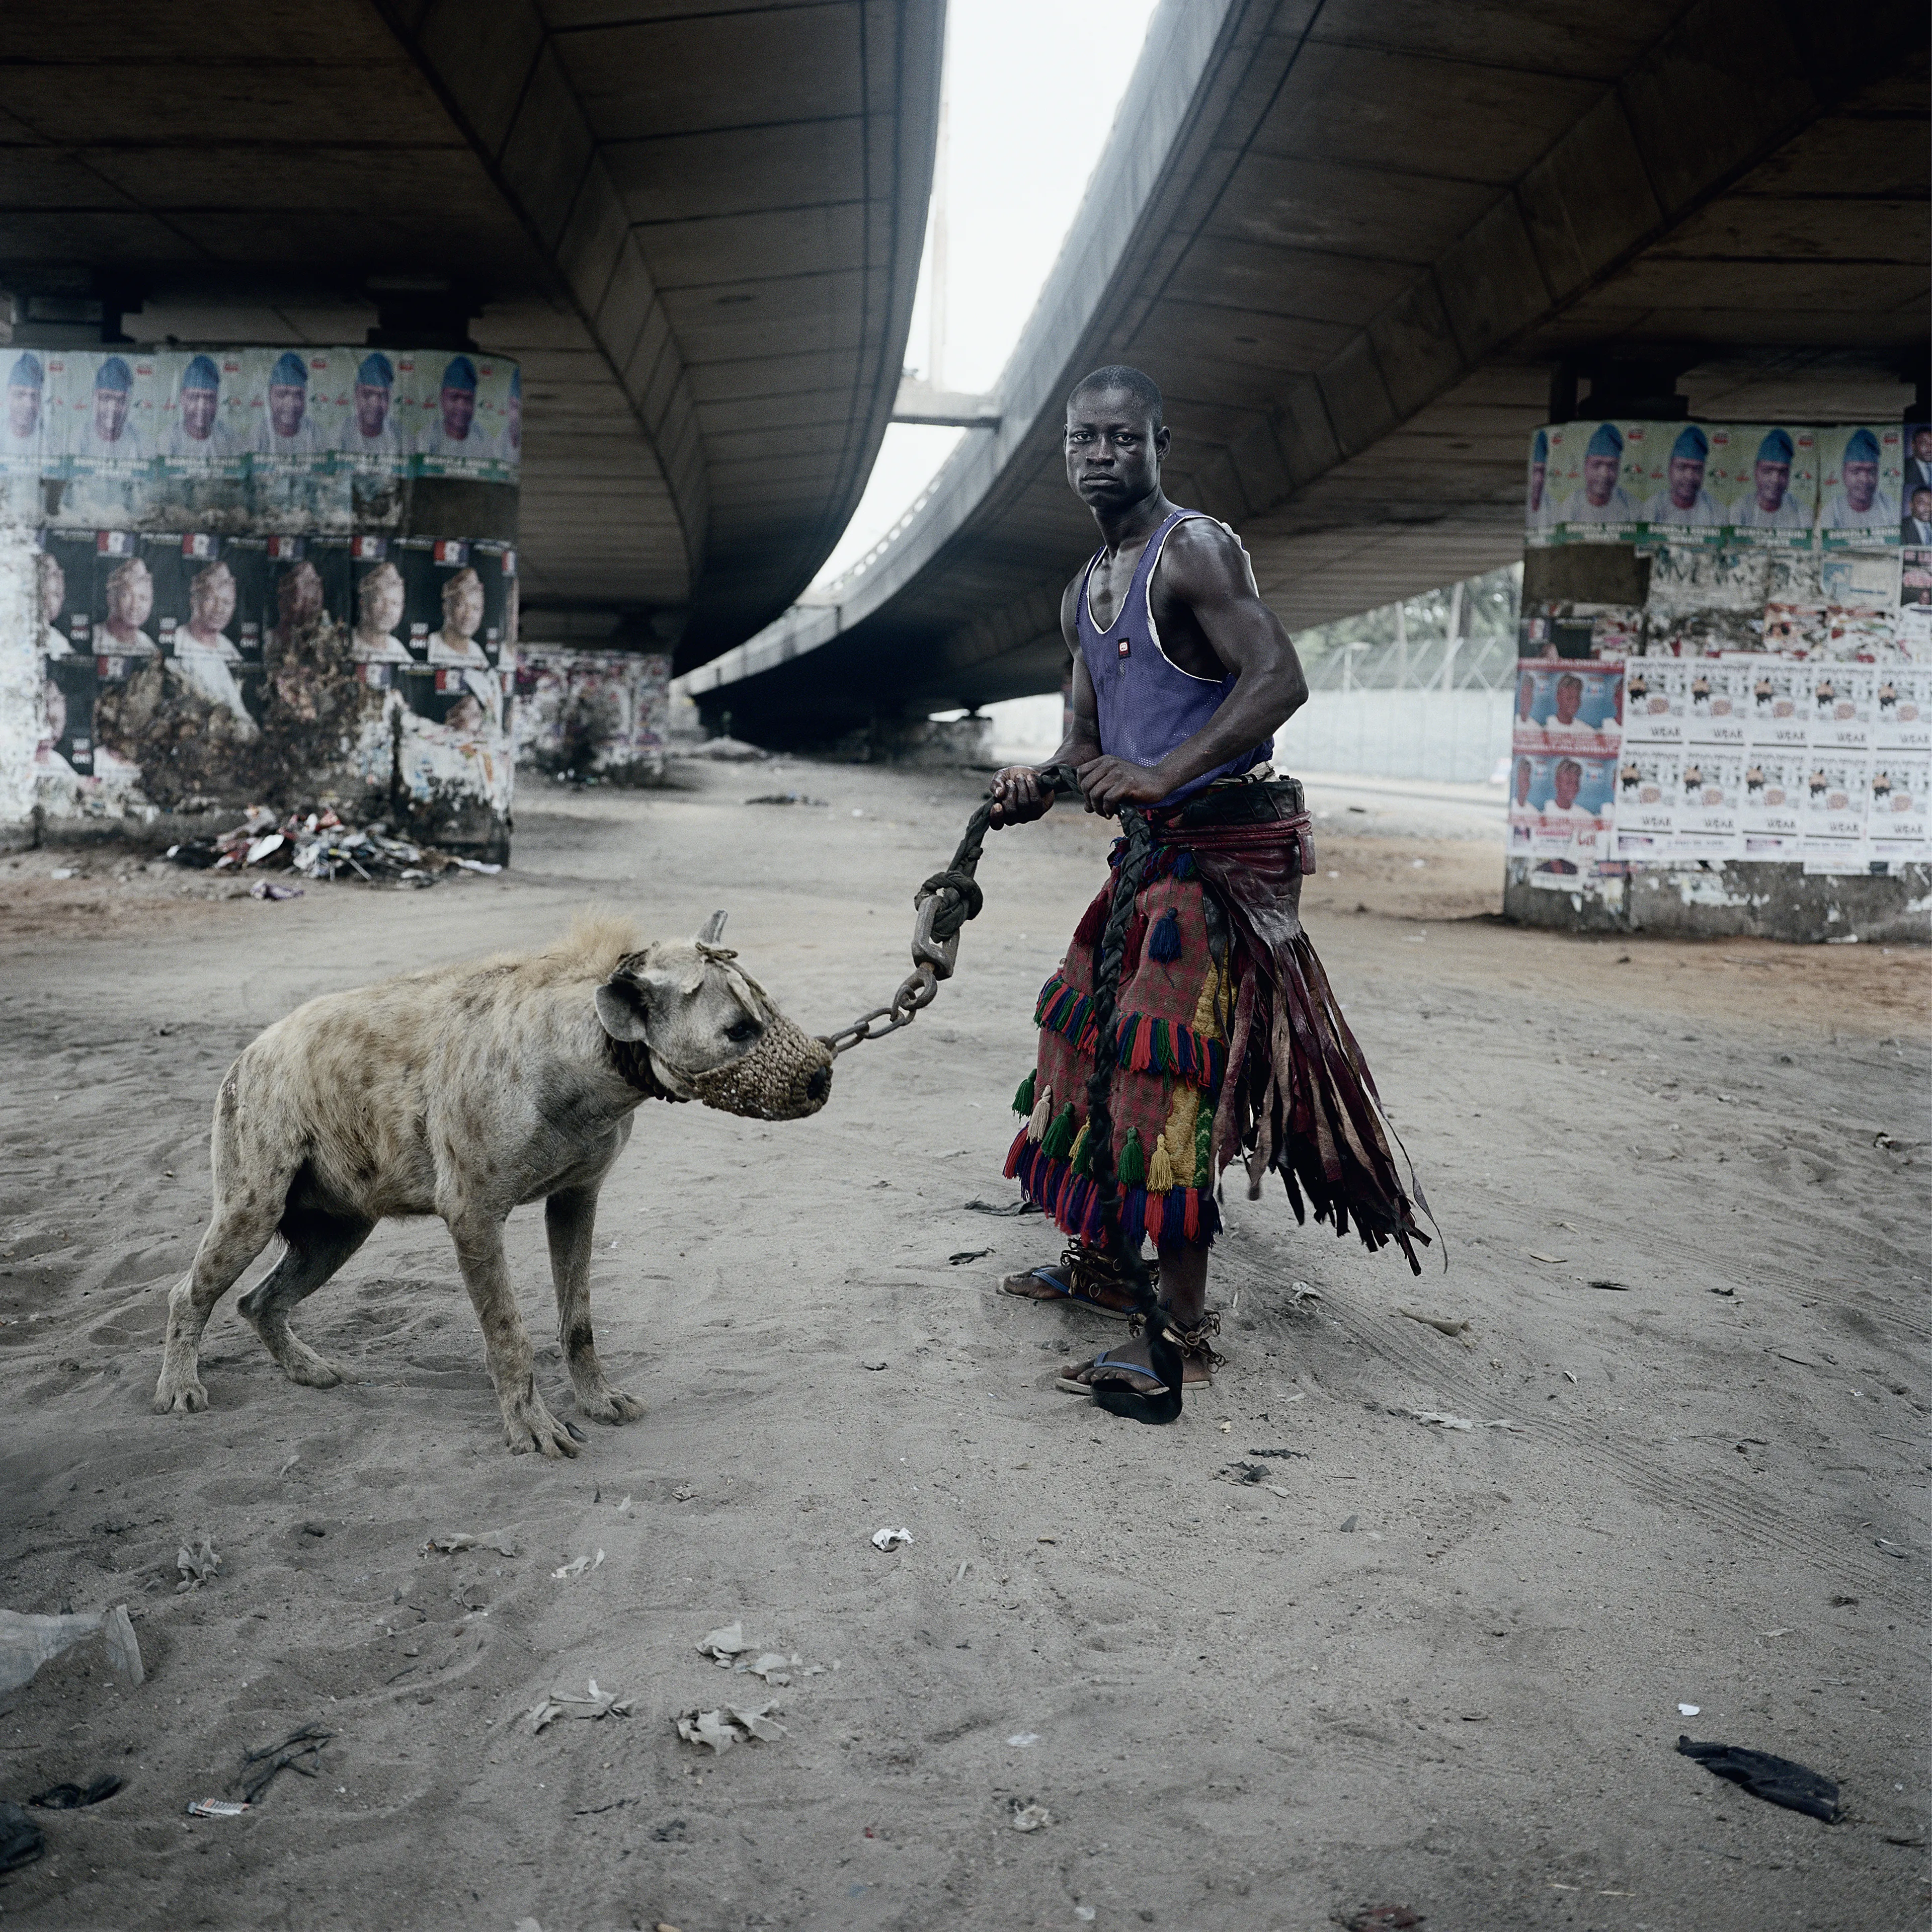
[1228,1042]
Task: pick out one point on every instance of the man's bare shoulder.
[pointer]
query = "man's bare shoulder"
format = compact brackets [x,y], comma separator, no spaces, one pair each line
[1202,554]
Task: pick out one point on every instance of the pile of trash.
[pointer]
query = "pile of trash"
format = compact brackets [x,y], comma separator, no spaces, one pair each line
[318,845]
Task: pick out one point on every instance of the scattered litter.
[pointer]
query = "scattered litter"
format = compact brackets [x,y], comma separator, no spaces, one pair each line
[296,1752]
[624,1507]
[1253,1472]
[1843,1603]
[1892,1549]
[75,1797]
[288,1465]
[318,845]
[959,1575]
[1381,1918]
[217,1808]
[729,1725]
[562,1704]
[1568,1376]
[1029,1816]
[27,1641]
[875,1366]
[577,1568]
[1282,1453]
[1023,1740]
[267,889]
[1427,1416]
[1623,1287]
[966,1254]
[197,1566]
[1553,1260]
[498,1540]
[1777,1780]
[1443,1324]
[1007,1210]
[1689,1710]
[1301,1295]
[890,1539]
[724,1645]
[1350,1524]
[528,1925]
[22,1841]
[1084,1912]
[785,798]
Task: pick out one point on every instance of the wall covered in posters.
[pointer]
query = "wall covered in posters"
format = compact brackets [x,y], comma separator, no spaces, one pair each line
[228,601]
[590,713]
[1770,700]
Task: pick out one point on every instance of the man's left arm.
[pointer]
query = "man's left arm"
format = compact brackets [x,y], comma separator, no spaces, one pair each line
[1206,571]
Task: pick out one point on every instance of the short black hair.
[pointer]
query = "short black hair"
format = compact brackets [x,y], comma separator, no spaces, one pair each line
[1142,387]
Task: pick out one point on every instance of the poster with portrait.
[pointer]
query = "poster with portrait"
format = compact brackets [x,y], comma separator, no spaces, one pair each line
[376,438]
[1573,707]
[1710,783]
[65,747]
[305,578]
[247,560]
[292,409]
[197,616]
[1683,505]
[1599,475]
[379,600]
[1649,779]
[1573,817]
[1771,815]
[102,407]
[121,590]
[201,415]
[23,422]
[1539,511]
[1860,482]
[465,424]
[1765,478]
[1529,787]
[1837,796]
[65,578]
[456,601]
[1842,698]
[1656,701]
[1781,705]
[1898,822]
[1902,708]
[1720,698]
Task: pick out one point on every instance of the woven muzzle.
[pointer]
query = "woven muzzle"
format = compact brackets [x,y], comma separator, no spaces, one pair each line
[786,1076]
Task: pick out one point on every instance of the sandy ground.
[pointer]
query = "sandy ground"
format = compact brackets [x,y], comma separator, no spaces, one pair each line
[1441,1669]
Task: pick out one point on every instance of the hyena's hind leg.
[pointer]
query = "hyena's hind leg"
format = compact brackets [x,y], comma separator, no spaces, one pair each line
[252,1177]
[318,1244]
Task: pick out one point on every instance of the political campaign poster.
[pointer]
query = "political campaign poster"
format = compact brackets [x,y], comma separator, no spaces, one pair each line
[380,600]
[122,592]
[1649,780]
[1598,473]
[464,424]
[1898,822]
[1576,707]
[1861,477]
[201,415]
[1573,818]
[197,607]
[23,423]
[1720,699]
[1770,812]
[65,747]
[1539,513]
[1710,782]
[1683,504]
[64,571]
[1842,697]
[1902,708]
[376,435]
[456,608]
[610,707]
[1915,573]
[1765,476]
[102,409]
[294,416]
[1781,699]
[305,577]
[1837,796]
[246,559]
[1656,701]
[1529,786]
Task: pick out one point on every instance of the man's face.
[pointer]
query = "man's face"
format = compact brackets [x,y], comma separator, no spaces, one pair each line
[1861,484]
[1922,505]
[459,411]
[1687,478]
[372,408]
[287,402]
[382,601]
[1537,472]
[131,601]
[1569,699]
[1773,480]
[110,414]
[464,611]
[53,589]
[56,700]
[1522,780]
[212,594]
[23,410]
[1569,781]
[1526,696]
[1921,445]
[299,595]
[1600,477]
[198,407]
[1113,452]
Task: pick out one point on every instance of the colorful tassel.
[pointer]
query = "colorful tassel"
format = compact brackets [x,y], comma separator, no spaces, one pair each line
[1132,1166]
[1164,942]
[1042,1117]
[1160,1169]
[1023,1100]
[1059,1138]
[1078,1163]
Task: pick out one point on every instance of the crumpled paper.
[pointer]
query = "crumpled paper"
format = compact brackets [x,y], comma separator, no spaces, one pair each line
[1461,1422]
[725,1645]
[197,1566]
[731,1724]
[498,1540]
[560,1704]
[577,1568]
[890,1539]
[1030,1817]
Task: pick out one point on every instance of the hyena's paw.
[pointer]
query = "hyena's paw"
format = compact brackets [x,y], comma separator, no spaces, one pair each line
[607,1404]
[177,1395]
[529,1425]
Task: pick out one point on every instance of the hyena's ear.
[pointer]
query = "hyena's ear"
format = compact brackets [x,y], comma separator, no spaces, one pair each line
[712,933]
[631,1000]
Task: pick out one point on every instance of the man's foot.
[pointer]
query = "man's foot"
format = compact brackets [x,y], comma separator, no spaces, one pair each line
[1079,1277]
[1129,1367]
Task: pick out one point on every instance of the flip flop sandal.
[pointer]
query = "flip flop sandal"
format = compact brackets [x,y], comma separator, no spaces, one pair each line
[1074,1277]
[1074,1386]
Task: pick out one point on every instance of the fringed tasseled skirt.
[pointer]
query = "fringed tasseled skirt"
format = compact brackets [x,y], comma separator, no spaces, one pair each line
[1229,1045]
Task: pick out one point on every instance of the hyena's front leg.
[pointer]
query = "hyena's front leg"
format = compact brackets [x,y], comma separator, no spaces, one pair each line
[570,1220]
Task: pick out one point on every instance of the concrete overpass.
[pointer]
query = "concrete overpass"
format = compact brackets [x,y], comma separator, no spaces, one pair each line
[1365,246]
[697,227]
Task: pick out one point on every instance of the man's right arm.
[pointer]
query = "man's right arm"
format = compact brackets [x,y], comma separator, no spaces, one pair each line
[1018,796]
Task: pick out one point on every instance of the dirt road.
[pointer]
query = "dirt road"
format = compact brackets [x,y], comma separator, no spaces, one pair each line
[1683,1189]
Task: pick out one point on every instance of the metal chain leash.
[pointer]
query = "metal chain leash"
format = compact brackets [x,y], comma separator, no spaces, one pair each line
[944,903]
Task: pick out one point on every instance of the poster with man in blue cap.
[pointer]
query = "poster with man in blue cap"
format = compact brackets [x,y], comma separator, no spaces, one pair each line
[463,418]
[107,413]
[374,435]
[1601,498]
[1768,476]
[194,439]
[1684,503]
[1864,469]
[290,425]
[20,426]
[1539,506]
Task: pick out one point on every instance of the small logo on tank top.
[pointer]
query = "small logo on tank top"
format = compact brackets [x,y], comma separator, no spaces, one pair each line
[1124,647]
